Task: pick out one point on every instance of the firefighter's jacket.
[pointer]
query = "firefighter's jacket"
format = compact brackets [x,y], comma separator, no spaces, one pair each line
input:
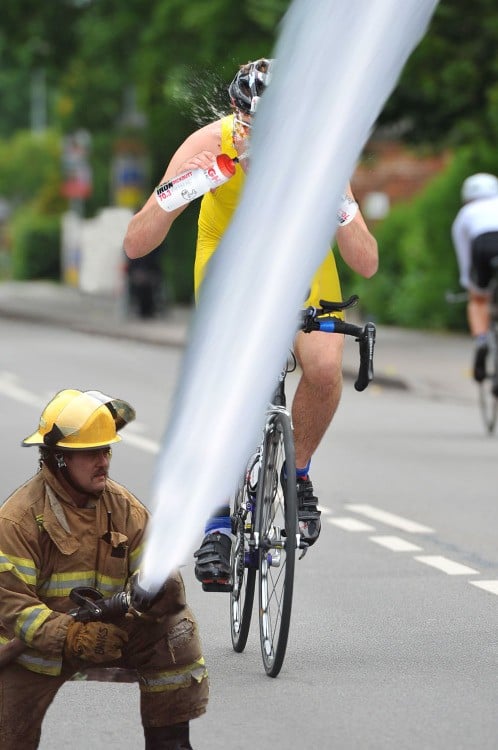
[49,545]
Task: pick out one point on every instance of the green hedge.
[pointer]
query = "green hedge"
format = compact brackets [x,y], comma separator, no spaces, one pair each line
[35,246]
[417,260]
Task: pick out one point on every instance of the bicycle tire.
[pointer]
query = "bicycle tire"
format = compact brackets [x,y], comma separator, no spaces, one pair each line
[488,404]
[244,567]
[277,524]
[488,401]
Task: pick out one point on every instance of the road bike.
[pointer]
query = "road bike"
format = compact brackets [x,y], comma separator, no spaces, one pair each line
[488,388]
[264,519]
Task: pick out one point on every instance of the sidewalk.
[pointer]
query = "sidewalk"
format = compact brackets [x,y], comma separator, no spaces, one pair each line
[433,364]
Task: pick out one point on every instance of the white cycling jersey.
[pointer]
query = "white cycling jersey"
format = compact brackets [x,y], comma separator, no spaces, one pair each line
[474,218]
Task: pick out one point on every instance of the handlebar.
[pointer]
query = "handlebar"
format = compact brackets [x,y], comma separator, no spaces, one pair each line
[321,319]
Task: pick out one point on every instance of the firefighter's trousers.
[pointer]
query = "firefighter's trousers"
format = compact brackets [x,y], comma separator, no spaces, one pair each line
[166,654]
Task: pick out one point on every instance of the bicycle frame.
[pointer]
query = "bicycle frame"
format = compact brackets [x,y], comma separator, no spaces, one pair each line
[488,388]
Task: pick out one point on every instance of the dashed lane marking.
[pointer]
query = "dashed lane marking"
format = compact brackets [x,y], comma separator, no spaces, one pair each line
[395,543]
[491,586]
[447,566]
[390,519]
[350,524]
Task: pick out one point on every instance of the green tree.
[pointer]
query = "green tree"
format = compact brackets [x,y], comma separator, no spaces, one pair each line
[35,38]
[448,92]
[179,57]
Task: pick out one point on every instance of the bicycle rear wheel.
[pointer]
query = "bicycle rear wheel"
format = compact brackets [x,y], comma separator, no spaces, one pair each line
[488,404]
[277,523]
[488,390]
[244,567]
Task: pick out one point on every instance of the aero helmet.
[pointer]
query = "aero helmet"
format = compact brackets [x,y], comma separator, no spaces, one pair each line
[481,185]
[249,84]
[81,420]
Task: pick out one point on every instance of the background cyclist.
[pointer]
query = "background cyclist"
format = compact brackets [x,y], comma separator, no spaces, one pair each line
[319,355]
[475,238]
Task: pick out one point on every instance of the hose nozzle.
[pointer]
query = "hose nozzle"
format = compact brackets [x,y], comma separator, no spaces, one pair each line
[140,599]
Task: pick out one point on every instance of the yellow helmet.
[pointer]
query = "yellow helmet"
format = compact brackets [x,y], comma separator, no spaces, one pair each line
[81,420]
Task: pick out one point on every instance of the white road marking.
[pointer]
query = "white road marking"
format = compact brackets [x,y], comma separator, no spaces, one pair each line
[390,519]
[395,543]
[491,586]
[447,566]
[350,524]
[10,389]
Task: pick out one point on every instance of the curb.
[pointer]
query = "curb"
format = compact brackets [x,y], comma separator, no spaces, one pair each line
[172,335]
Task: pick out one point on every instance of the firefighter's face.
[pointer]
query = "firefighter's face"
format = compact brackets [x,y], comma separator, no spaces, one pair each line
[89,468]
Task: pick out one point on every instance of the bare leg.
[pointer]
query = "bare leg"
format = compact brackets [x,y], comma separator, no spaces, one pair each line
[319,390]
[478,313]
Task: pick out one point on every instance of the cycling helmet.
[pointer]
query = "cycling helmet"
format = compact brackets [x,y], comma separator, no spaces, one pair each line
[481,185]
[249,84]
[81,420]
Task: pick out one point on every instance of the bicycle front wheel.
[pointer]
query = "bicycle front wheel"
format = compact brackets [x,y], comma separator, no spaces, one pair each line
[277,523]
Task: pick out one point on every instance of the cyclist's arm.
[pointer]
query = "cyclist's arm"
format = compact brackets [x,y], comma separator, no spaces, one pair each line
[460,235]
[148,228]
[462,245]
[358,247]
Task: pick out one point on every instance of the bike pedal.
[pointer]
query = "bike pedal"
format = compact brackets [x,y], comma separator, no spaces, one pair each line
[217,586]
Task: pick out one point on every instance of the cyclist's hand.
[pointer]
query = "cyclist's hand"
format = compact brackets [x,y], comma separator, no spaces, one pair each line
[202,160]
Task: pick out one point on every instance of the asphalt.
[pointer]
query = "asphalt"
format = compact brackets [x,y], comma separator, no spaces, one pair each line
[435,364]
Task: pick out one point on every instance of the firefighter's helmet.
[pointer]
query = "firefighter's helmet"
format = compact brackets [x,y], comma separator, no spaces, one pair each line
[81,420]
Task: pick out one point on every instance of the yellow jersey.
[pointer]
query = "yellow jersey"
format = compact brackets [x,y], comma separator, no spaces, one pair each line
[216,211]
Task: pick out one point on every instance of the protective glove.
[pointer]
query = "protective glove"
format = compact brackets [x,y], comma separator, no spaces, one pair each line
[348,208]
[96,642]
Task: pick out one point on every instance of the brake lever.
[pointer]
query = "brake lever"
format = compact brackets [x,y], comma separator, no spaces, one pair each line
[366,344]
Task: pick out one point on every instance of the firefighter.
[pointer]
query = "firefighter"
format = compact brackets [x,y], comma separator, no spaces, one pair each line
[71,526]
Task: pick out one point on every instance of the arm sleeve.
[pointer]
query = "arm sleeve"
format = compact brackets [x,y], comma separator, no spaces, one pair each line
[22,612]
[461,243]
[139,518]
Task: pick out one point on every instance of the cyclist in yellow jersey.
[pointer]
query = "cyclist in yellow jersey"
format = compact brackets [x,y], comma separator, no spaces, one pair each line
[319,355]
[216,211]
